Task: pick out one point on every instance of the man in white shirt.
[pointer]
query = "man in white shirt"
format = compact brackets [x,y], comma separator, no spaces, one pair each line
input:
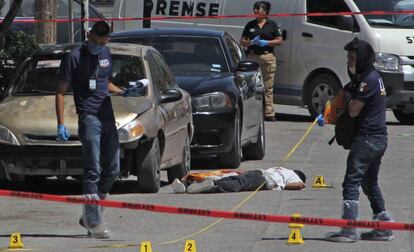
[275,178]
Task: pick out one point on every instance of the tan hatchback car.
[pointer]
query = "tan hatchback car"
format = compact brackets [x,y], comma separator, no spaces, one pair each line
[155,128]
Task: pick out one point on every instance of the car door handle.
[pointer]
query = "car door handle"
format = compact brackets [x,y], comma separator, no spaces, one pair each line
[307,35]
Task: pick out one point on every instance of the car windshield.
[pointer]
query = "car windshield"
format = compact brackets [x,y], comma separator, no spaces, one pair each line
[389,20]
[185,53]
[40,74]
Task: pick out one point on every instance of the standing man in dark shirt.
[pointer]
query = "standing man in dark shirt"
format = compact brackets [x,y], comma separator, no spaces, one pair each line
[260,36]
[366,101]
[88,69]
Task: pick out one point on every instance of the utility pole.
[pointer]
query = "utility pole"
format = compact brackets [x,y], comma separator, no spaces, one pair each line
[46,32]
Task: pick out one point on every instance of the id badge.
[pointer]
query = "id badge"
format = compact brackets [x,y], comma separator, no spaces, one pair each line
[92,84]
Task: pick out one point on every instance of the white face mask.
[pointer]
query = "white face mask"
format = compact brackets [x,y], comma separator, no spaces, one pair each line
[352,70]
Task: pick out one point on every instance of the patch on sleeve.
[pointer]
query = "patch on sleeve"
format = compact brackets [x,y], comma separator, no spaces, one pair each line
[104,63]
[363,87]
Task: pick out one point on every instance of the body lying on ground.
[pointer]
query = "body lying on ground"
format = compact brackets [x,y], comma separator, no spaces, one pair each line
[223,181]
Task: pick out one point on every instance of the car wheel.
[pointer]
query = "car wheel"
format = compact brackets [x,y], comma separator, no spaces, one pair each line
[322,88]
[149,173]
[232,159]
[256,151]
[179,171]
[404,118]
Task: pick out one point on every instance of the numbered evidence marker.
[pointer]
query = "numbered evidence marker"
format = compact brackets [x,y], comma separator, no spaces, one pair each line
[295,237]
[15,241]
[146,246]
[319,182]
[190,246]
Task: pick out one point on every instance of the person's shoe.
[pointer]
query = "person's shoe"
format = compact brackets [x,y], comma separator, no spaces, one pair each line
[378,234]
[204,186]
[341,236]
[270,118]
[99,232]
[96,231]
[178,186]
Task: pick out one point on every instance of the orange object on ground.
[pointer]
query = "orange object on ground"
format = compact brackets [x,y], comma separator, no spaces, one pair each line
[200,176]
[334,108]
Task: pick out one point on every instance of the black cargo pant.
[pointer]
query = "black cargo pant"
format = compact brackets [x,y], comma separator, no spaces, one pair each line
[248,181]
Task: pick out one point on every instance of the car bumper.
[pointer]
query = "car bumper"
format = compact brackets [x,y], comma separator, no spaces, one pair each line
[213,134]
[400,89]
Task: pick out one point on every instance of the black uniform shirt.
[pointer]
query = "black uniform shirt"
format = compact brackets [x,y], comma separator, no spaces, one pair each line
[78,67]
[269,31]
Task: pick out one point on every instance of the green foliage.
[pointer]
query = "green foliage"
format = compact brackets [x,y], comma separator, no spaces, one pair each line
[17,47]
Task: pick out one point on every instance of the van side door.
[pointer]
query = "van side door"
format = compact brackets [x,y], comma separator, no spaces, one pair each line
[322,40]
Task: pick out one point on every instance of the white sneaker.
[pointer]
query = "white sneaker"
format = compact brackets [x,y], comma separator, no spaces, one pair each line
[205,186]
[178,186]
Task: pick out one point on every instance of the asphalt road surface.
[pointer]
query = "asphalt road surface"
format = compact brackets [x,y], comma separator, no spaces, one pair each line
[48,226]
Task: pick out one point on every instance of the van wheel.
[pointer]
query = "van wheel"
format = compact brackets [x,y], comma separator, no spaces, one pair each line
[321,89]
[256,151]
[404,118]
[180,170]
[148,162]
[233,158]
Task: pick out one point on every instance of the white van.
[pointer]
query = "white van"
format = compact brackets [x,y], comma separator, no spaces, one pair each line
[311,61]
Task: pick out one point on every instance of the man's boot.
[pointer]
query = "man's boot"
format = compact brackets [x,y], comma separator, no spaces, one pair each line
[378,234]
[350,212]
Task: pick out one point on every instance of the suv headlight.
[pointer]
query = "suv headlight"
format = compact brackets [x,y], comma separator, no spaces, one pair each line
[212,102]
[7,137]
[134,130]
[387,62]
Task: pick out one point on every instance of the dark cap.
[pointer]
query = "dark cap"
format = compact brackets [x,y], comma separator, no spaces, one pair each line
[101,28]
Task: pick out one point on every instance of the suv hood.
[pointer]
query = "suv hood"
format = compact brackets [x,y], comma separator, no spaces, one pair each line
[34,117]
[201,83]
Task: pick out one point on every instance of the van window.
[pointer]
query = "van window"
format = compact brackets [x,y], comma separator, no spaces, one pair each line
[326,7]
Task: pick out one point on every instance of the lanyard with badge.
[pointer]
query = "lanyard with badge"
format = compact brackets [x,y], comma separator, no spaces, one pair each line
[94,77]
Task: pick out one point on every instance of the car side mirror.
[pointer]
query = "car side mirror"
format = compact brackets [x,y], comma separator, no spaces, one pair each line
[247,66]
[346,22]
[171,95]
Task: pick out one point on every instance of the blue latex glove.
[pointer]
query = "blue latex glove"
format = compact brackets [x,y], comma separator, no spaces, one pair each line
[320,120]
[255,41]
[63,133]
[136,90]
[263,43]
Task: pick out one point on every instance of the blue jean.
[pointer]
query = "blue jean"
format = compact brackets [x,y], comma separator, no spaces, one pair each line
[363,165]
[100,147]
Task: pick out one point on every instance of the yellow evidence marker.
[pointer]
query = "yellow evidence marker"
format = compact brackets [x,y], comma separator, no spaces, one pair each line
[190,246]
[145,246]
[295,237]
[319,182]
[15,241]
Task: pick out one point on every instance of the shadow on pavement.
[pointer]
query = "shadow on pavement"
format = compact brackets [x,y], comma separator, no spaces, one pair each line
[68,186]
[286,238]
[48,236]
[293,118]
